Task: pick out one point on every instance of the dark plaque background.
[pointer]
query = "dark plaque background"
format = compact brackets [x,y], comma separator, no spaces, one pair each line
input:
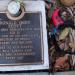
[21,41]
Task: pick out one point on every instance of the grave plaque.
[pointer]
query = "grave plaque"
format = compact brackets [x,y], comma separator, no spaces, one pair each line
[21,40]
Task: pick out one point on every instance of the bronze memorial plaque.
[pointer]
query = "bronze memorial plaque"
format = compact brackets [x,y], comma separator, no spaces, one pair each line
[21,41]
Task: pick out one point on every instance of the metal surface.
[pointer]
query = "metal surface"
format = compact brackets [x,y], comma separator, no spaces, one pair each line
[21,40]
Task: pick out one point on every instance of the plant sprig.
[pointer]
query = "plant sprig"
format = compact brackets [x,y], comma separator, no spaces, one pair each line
[21,2]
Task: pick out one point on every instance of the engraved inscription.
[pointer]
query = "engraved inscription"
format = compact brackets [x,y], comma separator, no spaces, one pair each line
[21,40]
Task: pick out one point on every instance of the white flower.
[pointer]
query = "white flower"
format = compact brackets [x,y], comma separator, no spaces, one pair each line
[14,7]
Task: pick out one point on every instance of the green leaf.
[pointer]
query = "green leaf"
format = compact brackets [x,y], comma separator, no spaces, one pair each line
[64,33]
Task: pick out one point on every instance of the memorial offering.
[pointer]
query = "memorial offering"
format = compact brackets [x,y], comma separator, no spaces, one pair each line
[16,10]
[61,39]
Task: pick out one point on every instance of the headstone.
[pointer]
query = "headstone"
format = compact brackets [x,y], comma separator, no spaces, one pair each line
[23,42]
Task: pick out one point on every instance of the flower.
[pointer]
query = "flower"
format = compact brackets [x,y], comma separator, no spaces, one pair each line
[21,2]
